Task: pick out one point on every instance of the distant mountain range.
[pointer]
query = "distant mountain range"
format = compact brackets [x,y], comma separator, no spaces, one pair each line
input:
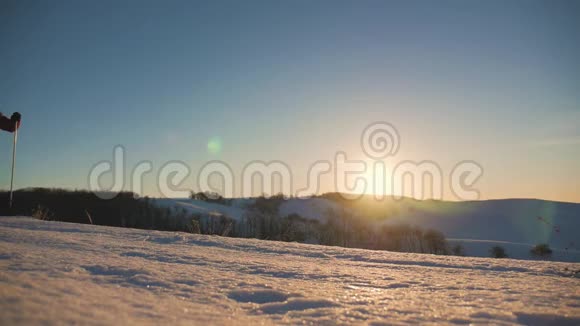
[515,224]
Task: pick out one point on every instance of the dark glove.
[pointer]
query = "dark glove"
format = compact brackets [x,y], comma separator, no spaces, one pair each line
[16,117]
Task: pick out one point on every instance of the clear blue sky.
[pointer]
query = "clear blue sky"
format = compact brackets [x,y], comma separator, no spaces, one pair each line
[493,81]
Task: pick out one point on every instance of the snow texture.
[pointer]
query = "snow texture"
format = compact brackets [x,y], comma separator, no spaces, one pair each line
[61,273]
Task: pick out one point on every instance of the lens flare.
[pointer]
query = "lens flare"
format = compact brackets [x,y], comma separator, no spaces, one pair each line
[214,145]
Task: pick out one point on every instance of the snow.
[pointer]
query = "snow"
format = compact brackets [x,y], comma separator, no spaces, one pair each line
[311,208]
[61,273]
[480,248]
[193,206]
[514,220]
[515,224]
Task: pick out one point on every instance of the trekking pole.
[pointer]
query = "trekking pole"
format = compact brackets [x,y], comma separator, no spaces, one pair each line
[13,164]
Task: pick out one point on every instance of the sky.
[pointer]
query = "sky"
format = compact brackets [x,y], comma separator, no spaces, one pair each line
[495,82]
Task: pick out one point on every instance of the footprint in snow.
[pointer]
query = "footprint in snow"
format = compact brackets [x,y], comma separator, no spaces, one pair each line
[258,296]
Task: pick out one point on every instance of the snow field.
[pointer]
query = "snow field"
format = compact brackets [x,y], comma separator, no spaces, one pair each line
[55,273]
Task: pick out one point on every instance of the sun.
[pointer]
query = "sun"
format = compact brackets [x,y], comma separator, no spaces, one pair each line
[378,178]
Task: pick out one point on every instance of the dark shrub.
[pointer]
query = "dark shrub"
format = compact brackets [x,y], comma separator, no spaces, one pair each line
[497,252]
[458,250]
[541,251]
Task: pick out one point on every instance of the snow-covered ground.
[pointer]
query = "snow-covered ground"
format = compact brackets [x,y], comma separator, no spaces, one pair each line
[61,273]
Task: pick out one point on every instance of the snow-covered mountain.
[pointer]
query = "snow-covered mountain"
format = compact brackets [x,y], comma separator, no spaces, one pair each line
[515,224]
[62,273]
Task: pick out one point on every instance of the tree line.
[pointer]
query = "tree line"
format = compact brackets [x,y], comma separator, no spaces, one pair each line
[261,221]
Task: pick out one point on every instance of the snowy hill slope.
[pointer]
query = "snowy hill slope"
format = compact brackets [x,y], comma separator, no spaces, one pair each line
[516,220]
[515,224]
[56,273]
[192,206]
[312,208]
